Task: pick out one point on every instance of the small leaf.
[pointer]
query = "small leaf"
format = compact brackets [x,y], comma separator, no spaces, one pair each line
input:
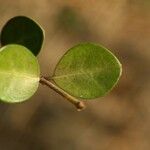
[19,73]
[24,31]
[87,71]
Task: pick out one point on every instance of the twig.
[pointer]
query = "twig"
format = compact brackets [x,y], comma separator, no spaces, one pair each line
[78,104]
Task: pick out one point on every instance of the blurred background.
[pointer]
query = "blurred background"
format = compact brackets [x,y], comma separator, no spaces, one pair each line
[119,121]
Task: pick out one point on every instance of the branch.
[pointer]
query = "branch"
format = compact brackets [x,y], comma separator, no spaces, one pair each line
[78,104]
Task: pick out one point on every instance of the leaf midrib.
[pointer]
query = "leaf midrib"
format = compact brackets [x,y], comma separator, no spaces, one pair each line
[16,74]
[85,73]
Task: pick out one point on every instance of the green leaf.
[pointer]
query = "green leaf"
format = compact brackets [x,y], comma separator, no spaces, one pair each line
[87,71]
[24,31]
[19,73]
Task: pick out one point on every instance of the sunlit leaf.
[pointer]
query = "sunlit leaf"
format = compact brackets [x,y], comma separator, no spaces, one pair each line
[87,71]
[19,73]
[24,31]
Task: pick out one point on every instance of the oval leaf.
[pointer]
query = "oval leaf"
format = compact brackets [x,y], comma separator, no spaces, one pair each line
[24,31]
[19,73]
[87,71]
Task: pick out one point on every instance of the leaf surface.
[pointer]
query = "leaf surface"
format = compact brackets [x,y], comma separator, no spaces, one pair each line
[24,31]
[87,71]
[19,73]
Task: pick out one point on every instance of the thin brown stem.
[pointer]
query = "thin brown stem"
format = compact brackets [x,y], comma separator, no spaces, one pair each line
[78,104]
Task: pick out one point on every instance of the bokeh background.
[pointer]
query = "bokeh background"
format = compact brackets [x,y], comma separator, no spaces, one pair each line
[119,121]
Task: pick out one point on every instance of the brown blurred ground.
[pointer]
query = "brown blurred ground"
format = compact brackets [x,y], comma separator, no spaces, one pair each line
[119,121]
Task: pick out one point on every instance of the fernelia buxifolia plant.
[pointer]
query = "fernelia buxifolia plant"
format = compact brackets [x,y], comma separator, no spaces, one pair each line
[86,71]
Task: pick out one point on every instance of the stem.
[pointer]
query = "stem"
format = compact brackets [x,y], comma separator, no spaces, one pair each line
[78,104]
